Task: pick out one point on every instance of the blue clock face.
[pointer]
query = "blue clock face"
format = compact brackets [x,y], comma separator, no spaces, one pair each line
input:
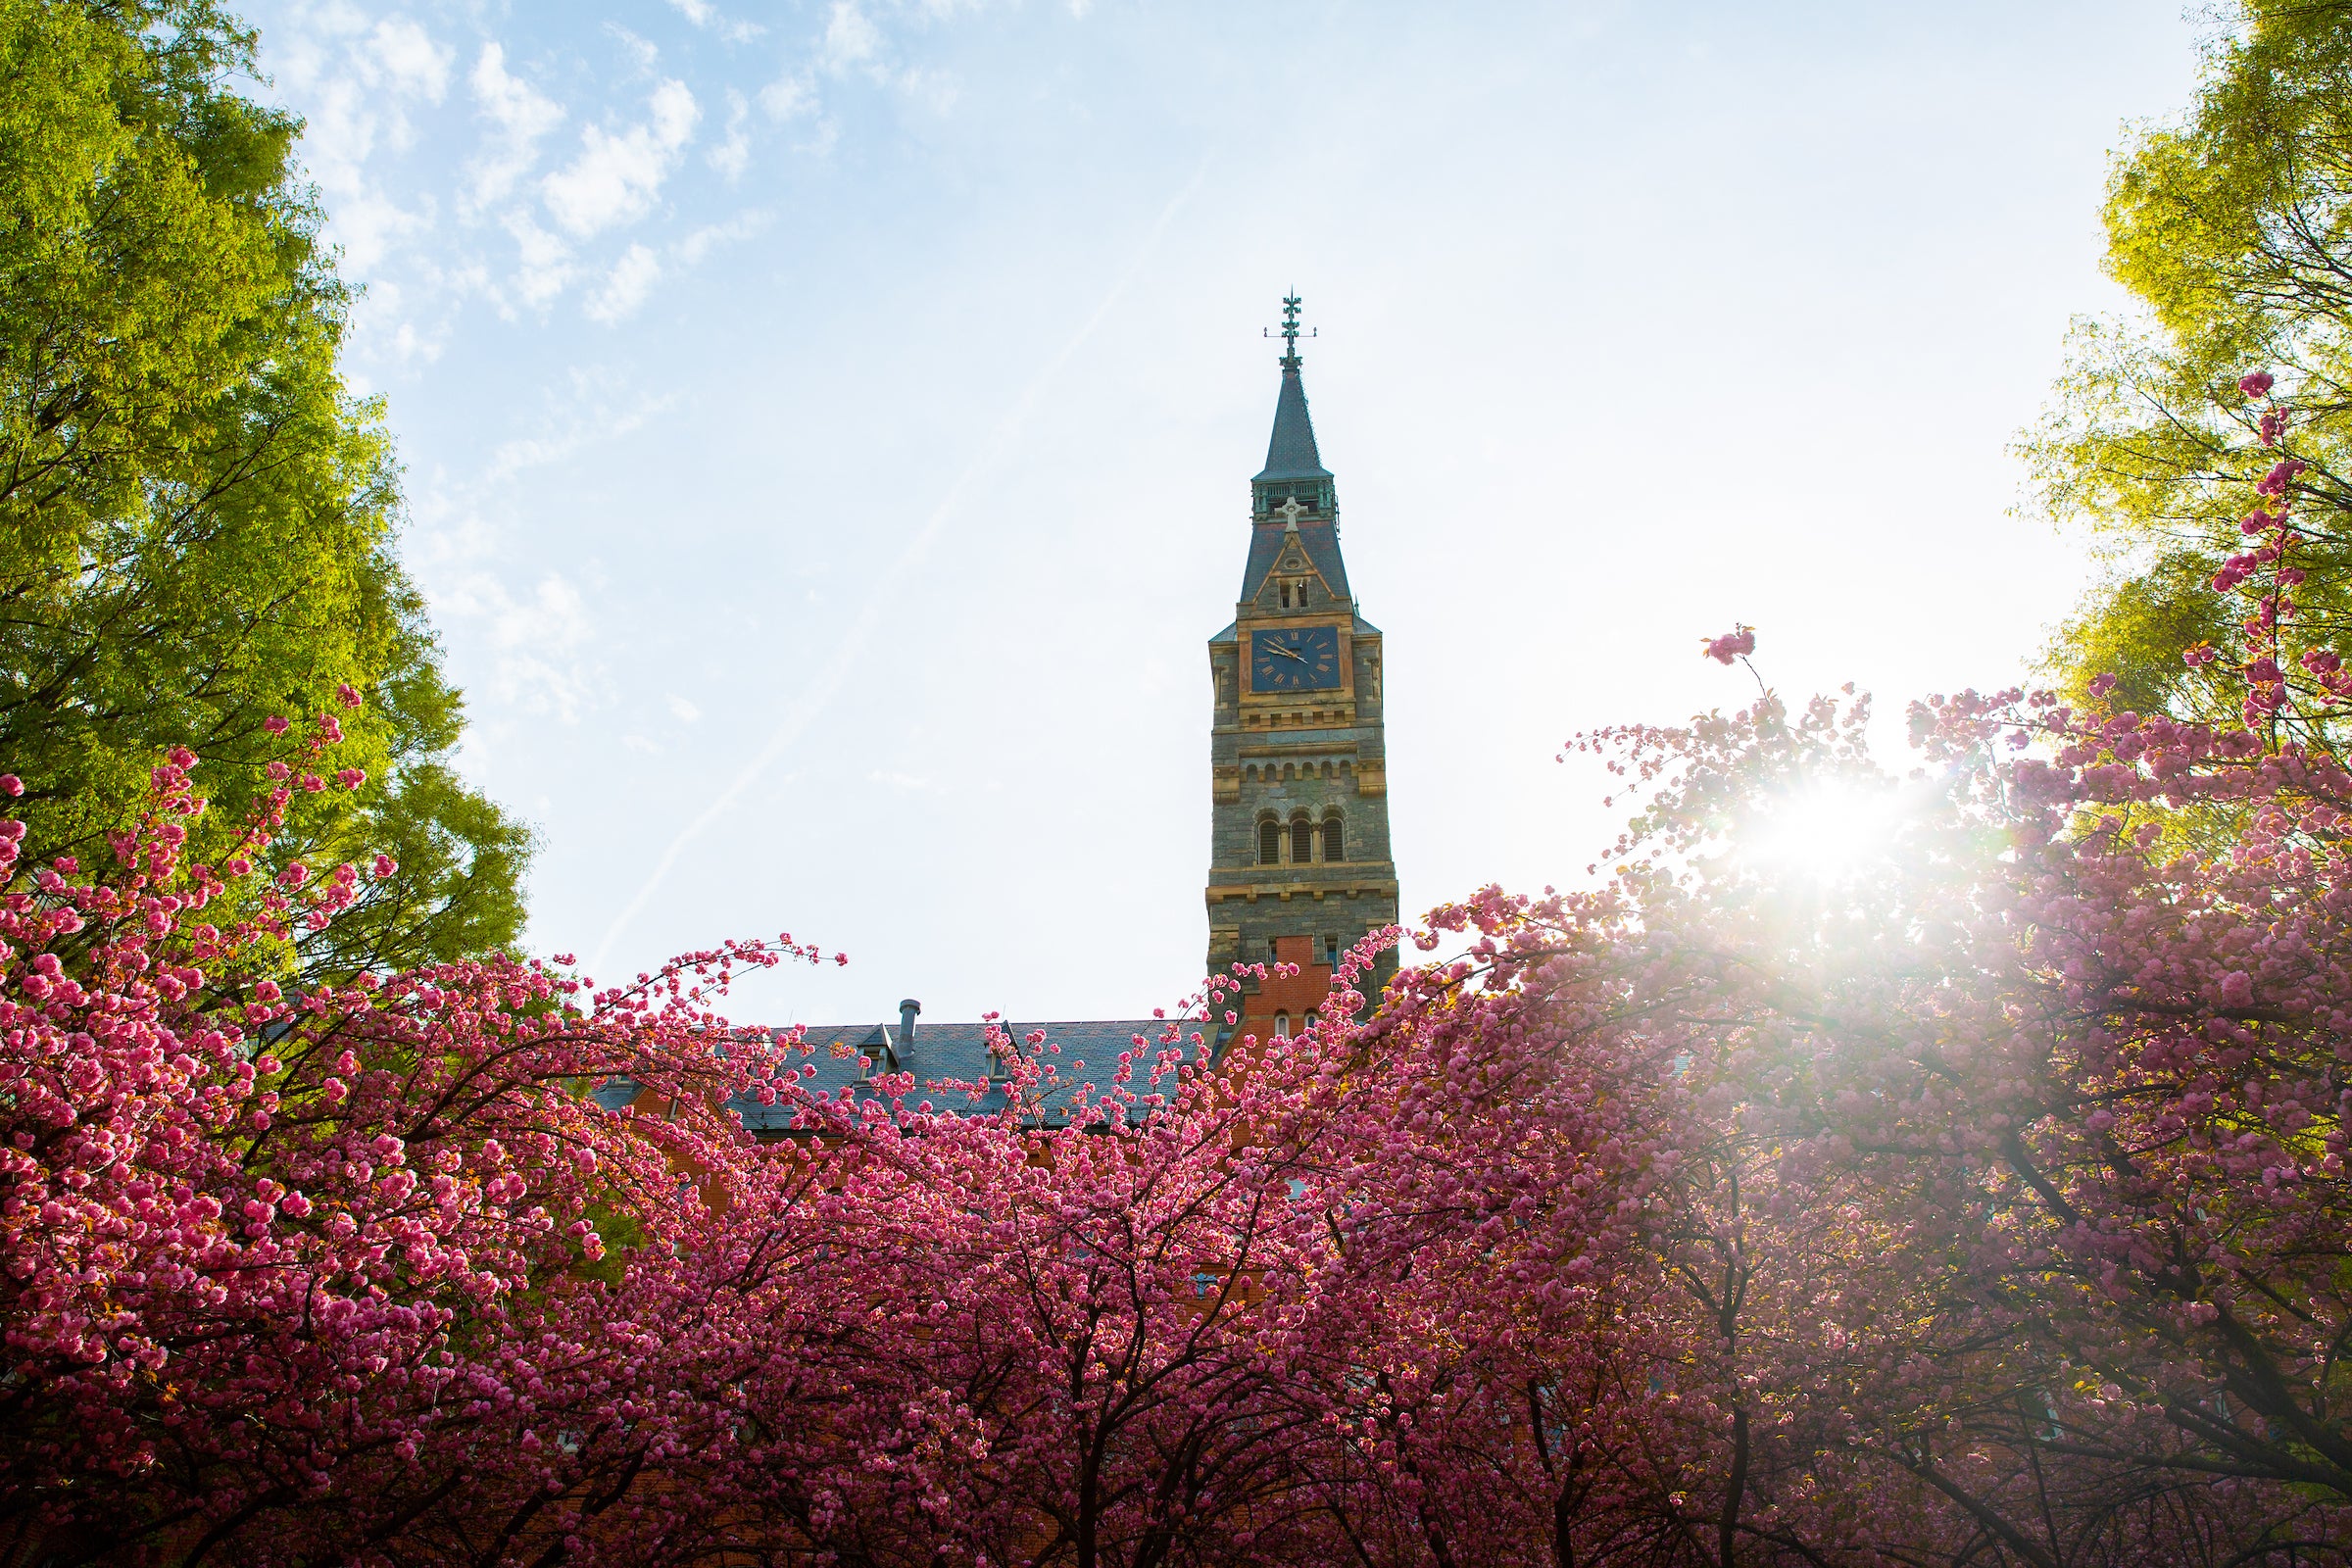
[1296,658]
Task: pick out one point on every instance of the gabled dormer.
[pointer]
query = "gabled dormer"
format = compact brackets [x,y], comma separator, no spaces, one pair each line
[1292,580]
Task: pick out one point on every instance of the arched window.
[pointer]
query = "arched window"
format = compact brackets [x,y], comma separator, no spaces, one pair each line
[1303,841]
[1281,1026]
[1333,845]
[1270,843]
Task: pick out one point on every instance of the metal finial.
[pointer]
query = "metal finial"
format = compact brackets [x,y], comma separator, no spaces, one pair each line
[1290,331]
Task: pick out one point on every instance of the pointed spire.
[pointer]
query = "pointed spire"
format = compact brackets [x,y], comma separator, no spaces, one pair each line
[1292,454]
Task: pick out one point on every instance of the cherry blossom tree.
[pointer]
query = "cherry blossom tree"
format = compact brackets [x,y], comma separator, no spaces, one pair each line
[1942,1166]
[273,1268]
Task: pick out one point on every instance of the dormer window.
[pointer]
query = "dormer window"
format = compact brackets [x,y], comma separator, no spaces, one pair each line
[1285,596]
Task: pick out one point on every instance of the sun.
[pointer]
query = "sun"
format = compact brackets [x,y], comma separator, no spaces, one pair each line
[1826,829]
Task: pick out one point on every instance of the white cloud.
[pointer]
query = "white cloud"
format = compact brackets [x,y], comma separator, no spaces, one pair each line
[339,136]
[705,15]
[852,43]
[405,58]
[616,178]
[519,115]
[534,639]
[641,50]
[368,224]
[851,37]
[789,97]
[632,278]
[544,261]
[589,417]
[935,90]
[685,710]
[384,333]
[731,156]
[640,745]
[356,75]
[703,241]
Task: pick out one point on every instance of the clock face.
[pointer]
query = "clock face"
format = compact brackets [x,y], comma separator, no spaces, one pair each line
[1295,658]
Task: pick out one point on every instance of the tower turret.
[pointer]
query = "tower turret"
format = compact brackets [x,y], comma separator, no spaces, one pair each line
[1299,864]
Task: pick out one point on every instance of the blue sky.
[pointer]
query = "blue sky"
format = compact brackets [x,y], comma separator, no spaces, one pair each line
[828,426]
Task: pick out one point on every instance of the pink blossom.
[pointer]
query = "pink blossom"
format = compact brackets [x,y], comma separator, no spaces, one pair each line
[2255,385]
[2280,475]
[1731,645]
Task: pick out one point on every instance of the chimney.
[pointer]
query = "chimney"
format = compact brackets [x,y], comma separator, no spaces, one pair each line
[905,1051]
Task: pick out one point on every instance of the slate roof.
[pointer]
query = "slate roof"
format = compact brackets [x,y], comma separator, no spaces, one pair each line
[955,1052]
[1292,454]
[1322,544]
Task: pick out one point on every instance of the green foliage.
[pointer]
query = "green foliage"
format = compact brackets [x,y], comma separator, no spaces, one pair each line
[2233,228]
[196,517]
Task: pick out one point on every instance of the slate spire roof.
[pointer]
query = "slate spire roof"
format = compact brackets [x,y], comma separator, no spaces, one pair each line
[1290,454]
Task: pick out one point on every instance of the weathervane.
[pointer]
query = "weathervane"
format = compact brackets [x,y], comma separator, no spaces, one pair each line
[1290,331]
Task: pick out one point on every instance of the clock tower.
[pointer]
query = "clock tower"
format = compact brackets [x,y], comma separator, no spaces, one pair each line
[1300,866]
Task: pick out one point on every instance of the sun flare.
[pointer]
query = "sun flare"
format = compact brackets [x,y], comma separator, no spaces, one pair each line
[1823,830]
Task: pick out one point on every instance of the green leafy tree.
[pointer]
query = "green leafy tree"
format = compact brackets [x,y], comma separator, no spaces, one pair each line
[197,518]
[2234,229]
